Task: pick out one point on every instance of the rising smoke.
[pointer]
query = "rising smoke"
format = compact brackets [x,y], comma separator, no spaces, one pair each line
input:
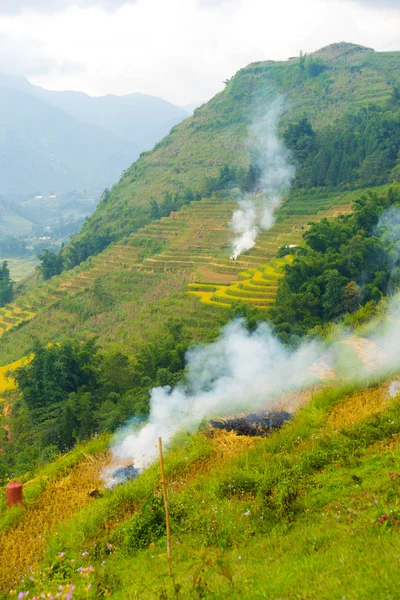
[250,371]
[256,212]
[239,371]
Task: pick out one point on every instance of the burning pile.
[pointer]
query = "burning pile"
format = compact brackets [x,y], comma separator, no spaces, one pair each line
[124,474]
[253,424]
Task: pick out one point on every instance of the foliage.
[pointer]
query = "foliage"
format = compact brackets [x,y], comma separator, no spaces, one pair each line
[13,246]
[344,263]
[52,264]
[6,285]
[230,177]
[70,391]
[362,149]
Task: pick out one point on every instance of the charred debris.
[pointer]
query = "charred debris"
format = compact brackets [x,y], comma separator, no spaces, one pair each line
[254,424]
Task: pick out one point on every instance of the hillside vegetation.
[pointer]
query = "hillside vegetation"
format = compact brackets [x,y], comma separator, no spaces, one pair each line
[316,503]
[351,78]
[308,511]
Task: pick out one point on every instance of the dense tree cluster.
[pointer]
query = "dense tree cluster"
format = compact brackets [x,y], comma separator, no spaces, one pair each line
[6,285]
[343,264]
[51,263]
[70,391]
[246,179]
[360,151]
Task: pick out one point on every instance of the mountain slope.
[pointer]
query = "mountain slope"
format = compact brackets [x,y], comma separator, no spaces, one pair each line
[348,78]
[44,149]
[309,511]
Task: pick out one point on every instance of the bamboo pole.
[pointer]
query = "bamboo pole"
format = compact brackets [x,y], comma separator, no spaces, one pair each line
[164,489]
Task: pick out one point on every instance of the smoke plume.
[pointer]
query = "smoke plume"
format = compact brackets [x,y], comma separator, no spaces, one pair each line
[239,371]
[250,371]
[256,212]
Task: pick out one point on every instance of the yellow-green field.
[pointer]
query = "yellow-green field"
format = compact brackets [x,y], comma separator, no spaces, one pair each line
[7,383]
[196,243]
[21,267]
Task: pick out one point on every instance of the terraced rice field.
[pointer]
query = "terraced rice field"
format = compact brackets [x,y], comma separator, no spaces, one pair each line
[7,383]
[256,286]
[196,242]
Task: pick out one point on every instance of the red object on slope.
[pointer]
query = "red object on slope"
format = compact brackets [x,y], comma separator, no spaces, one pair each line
[14,494]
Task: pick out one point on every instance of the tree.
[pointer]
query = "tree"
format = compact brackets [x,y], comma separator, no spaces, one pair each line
[154,210]
[352,297]
[52,264]
[343,264]
[6,285]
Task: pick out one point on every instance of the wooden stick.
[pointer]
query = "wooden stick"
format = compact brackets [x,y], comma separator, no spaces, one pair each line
[164,488]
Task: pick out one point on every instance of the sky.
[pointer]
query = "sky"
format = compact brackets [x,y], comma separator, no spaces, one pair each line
[181,50]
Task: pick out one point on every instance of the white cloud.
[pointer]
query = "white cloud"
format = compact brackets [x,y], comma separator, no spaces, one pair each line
[10,7]
[24,55]
[184,49]
[379,4]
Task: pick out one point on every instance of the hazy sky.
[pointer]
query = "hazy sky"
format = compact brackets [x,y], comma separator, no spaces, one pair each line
[181,50]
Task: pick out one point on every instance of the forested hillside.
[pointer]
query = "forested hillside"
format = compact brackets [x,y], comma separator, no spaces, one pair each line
[338,86]
[291,490]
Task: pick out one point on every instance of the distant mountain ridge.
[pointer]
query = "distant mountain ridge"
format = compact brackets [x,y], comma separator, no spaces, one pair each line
[65,140]
[139,118]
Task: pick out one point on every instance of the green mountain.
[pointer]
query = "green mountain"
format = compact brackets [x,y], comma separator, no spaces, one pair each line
[307,511]
[336,81]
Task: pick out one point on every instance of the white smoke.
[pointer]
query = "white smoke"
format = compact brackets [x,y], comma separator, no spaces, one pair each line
[273,160]
[239,371]
[243,371]
[244,223]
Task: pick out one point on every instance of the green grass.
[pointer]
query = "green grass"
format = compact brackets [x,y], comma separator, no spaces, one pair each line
[310,512]
[20,268]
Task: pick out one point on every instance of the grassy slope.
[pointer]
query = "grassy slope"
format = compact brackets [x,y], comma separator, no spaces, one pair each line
[216,133]
[295,515]
[195,244]
[124,298]
[301,502]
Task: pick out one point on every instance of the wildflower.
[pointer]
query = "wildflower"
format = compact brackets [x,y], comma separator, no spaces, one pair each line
[383,518]
[22,595]
[62,554]
[85,553]
[68,596]
[393,475]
